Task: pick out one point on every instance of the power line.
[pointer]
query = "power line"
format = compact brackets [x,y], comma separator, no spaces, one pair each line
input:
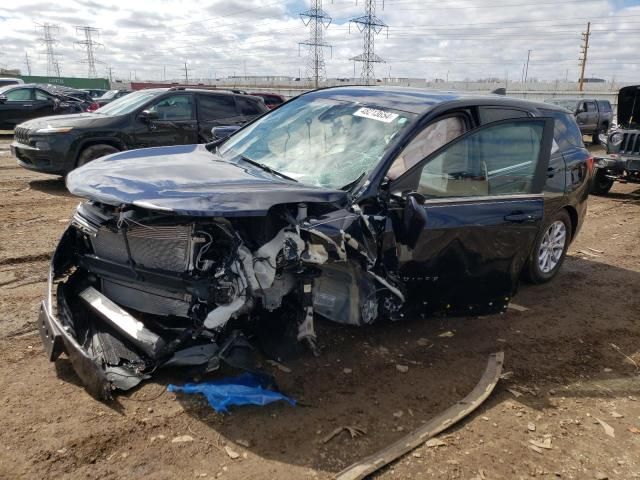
[583,50]
[88,44]
[53,67]
[317,20]
[370,26]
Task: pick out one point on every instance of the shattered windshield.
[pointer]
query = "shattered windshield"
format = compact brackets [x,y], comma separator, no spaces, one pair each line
[319,141]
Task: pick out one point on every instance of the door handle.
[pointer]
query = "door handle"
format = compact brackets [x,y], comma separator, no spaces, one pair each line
[551,172]
[519,217]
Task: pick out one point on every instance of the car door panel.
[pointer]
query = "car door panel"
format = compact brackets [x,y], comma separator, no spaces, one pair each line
[216,110]
[176,123]
[469,255]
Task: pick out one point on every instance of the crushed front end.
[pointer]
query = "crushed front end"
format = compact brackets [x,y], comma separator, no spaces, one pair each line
[133,289]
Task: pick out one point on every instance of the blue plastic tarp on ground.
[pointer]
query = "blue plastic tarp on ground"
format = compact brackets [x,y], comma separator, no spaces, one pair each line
[245,389]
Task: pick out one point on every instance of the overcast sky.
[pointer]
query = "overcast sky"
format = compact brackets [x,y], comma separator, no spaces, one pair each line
[426,38]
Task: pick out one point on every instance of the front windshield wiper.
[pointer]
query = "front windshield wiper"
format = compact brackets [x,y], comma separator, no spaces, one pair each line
[267,168]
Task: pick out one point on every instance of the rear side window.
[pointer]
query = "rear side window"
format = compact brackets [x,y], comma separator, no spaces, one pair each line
[248,106]
[216,107]
[604,106]
[566,132]
[19,95]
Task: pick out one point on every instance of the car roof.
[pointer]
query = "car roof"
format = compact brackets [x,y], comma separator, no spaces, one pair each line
[418,100]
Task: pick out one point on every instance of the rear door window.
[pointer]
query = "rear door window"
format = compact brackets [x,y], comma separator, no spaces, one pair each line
[248,107]
[216,107]
[20,95]
[566,132]
[604,106]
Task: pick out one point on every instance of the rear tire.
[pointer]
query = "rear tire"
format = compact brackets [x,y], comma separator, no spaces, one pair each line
[94,152]
[550,249]
[600,185]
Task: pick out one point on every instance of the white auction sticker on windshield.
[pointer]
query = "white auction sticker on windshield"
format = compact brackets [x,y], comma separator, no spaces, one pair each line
[375,114]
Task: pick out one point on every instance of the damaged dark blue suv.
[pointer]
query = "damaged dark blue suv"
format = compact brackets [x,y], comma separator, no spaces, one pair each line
[352,204]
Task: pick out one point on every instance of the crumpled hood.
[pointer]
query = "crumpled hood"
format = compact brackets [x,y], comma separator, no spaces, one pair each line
[189,180]
[83,120]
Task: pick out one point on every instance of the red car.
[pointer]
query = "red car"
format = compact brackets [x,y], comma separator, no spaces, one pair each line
[271,100]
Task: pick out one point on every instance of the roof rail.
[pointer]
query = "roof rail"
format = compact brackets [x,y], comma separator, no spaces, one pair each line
[177,88]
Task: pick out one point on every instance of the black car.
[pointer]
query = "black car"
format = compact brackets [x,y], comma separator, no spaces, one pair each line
[22,102]
[353,203]
[147,118]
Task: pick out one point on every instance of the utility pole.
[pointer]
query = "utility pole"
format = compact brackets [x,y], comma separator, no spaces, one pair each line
[583,50]
[48,30]
[88,44]
[26,59]
[370,26]
[317,20]
[110,69]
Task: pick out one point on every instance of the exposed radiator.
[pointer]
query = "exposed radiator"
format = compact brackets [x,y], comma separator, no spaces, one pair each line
[156,247]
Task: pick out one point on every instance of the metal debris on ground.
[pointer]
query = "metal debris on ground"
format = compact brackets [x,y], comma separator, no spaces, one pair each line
[433,427]
[608,429]
[513,392]
[516,307]
[447,334]
[435,442]
[546,443]
[353,431]
[279,366]
[232,453]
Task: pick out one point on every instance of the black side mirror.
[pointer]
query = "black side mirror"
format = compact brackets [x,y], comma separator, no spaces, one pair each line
[3,98]
[148,115]
[220,133]
[415,218]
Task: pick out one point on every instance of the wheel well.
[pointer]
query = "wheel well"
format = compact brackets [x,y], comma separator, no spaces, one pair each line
[91,143]
[573,215]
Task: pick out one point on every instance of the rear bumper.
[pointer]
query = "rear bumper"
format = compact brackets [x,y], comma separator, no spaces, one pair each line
[41,160]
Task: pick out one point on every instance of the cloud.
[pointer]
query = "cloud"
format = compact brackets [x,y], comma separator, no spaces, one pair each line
[461,39]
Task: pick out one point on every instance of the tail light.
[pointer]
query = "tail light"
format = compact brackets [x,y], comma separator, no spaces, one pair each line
[590,161]
[92,107]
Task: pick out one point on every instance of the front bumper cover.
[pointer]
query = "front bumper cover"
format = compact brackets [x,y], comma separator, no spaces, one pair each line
[56,340]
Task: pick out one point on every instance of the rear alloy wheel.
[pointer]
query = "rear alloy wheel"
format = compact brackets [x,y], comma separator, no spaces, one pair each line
[551,248]
[600,185]
[93,152]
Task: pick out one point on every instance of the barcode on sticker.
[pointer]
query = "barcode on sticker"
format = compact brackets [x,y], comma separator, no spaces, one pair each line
[375,114]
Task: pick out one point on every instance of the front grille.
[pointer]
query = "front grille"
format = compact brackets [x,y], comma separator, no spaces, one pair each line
[21,135]
[630,143]
[155,247]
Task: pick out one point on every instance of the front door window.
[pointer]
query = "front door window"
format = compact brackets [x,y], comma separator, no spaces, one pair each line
[174,107]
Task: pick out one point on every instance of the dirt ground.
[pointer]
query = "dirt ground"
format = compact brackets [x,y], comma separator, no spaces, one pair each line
[573,357]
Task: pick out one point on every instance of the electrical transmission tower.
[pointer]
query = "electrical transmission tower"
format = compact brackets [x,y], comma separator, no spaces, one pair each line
[88,44]
[26,59]
[370,26]
[583,50]
[317,20]
[53,67]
